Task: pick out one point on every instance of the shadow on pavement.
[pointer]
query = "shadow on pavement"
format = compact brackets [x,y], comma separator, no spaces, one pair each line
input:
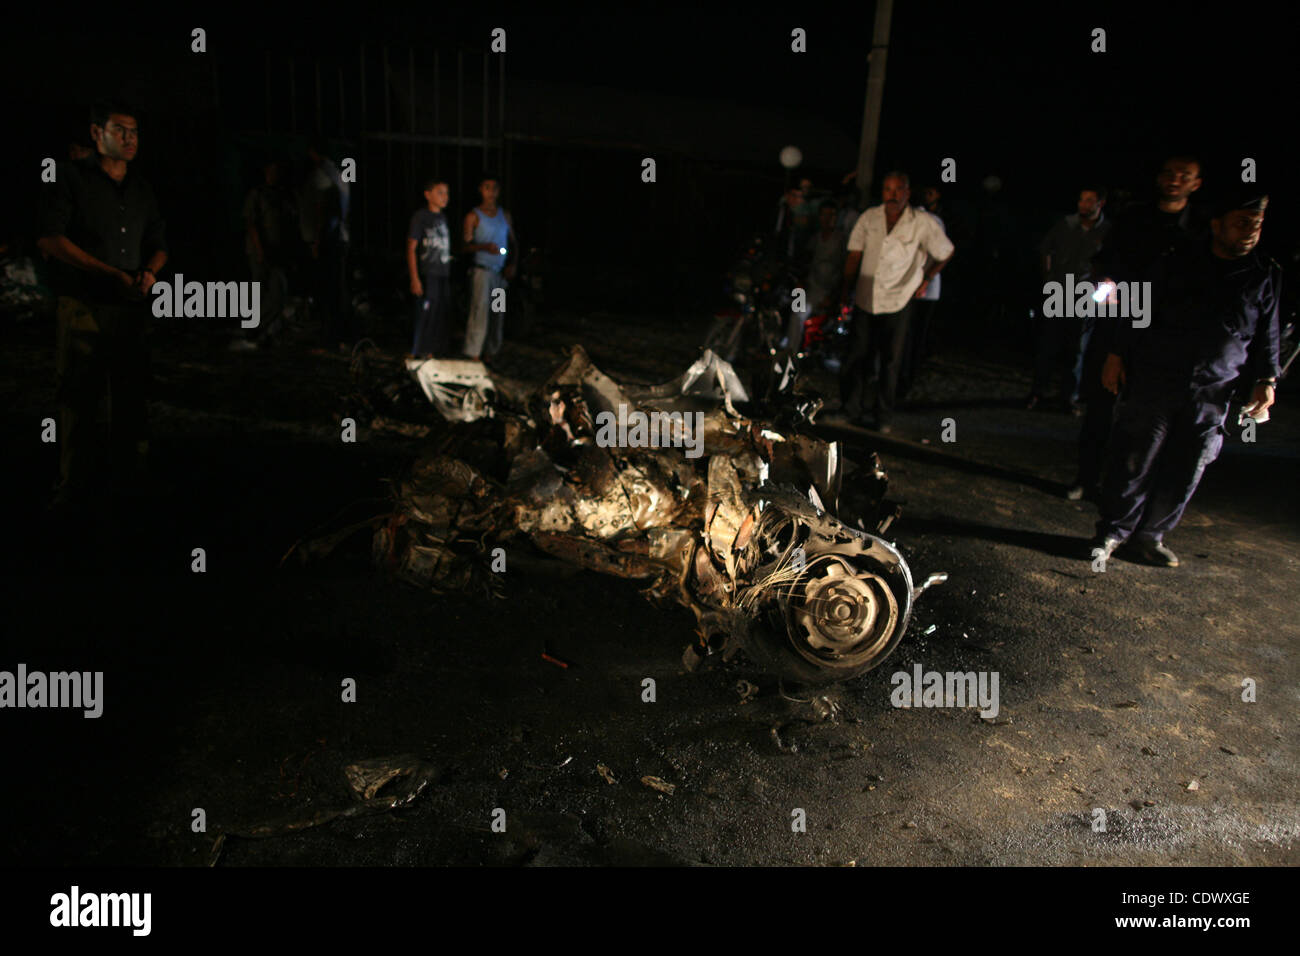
[1057,545]
[862,438]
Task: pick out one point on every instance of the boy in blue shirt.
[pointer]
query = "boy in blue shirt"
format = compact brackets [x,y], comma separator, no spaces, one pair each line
[490,235]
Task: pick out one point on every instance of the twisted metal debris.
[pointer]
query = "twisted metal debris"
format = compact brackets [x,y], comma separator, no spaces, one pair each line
[745,535]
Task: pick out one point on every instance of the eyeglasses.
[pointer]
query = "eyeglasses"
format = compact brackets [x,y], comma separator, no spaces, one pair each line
[126,132]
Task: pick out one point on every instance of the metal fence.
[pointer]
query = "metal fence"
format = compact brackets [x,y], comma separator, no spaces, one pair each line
[403,113]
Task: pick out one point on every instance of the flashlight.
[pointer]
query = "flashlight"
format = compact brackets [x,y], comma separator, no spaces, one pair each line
[1103,291]
[1249,414]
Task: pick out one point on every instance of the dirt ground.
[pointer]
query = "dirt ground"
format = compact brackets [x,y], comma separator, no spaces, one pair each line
[222,689]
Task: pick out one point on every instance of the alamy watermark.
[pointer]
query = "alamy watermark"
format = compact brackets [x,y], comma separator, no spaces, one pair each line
[953,689]
[637,429]
[208,300]
[75,908]
[74,689]
[1087,300]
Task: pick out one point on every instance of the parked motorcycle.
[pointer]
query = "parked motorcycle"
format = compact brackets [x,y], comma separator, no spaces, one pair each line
[826,336]
[759,290]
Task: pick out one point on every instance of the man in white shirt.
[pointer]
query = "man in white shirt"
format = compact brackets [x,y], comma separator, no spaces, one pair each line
[894,252]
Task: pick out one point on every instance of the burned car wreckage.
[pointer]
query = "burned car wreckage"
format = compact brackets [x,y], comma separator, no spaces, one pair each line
[729,516]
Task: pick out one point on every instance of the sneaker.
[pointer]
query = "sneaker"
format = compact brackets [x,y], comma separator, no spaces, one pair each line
[1103,547]
[1154,552]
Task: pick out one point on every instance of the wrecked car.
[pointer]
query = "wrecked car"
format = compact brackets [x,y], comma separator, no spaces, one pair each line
[768,536]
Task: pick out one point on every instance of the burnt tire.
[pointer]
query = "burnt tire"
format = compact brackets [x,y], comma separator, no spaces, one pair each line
[842,617]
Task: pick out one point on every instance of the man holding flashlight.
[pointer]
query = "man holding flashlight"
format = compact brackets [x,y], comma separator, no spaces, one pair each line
[894,252]
[1214,326]
[490,235]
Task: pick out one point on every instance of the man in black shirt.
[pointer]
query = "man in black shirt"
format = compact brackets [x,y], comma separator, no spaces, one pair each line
[1142,233]
[428,266]
[101,229]
[1214,326]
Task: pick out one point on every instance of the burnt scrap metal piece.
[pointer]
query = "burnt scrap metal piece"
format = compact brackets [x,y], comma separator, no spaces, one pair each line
[377,785]
[938,577]
[461,390]
[745,534]
[708,377]
[405,396]
[781,393]
[368,777]
[445,506]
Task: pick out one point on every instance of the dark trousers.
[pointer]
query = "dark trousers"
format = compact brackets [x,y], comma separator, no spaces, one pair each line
[102,355]
[887,334]
[431,314]
[915,352]
[330,289]
[1094,435]
[273,281]
[1058,353]
[1159,447]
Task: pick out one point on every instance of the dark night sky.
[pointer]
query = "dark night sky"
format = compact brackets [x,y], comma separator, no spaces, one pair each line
[1014,92]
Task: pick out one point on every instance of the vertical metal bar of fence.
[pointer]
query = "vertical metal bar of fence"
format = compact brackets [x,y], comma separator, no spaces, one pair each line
[460,118]
[388,148]
[267,74]
[410,78]
[501,114]
[365,209]
[437,115]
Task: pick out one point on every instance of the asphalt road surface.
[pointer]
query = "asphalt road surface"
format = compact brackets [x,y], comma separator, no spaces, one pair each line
[1119,692]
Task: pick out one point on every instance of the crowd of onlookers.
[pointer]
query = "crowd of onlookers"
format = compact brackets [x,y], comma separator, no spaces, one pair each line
[1156,322]
[1153,394]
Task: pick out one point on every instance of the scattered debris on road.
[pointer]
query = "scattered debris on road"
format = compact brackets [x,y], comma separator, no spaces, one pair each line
[369,782]
[656,783]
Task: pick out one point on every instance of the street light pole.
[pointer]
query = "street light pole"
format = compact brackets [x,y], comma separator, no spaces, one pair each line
[875,95]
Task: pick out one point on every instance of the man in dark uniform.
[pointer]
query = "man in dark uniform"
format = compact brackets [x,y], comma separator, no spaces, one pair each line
[1142,233]
[1214,326]
[100,227]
